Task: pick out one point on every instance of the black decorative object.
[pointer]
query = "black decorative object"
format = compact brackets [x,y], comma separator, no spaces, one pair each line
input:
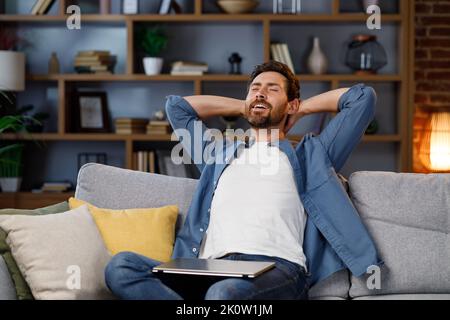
[235,63]
[373,127]
[365,54]
[84,158]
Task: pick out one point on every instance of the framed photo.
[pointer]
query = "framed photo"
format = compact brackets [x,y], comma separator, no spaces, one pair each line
[92,112]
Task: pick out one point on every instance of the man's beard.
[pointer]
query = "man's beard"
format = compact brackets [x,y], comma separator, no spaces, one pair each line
[260,121]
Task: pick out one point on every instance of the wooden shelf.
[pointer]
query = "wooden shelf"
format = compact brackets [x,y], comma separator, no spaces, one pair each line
[30,200]
[205,17]
[208,77]
[145,137]
[86,137]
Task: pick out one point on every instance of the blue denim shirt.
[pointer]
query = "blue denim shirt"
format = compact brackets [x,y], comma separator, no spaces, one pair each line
[334,237]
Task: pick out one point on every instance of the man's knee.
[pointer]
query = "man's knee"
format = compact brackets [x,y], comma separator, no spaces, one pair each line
[229,289]
[119,269]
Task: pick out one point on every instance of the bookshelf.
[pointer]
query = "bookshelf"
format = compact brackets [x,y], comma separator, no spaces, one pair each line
[341,17]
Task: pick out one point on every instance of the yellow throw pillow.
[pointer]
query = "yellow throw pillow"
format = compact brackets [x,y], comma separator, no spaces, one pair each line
[149,232]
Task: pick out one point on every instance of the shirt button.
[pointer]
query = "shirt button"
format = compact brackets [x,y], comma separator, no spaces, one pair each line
[194,249]
[209,210]
[201,230]
[214,182]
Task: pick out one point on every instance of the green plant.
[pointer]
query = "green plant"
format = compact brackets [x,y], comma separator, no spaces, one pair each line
[11,154]
[153,40]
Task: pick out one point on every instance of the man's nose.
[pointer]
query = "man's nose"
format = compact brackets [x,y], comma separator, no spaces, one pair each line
[260,96]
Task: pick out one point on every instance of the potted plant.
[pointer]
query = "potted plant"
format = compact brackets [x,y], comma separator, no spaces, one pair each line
[11,154]
[153,41]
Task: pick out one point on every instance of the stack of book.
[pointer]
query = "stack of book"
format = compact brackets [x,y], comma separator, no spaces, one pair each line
[54,187]
[94,62]
[42,6]
[156,127]
[280,53]
[131,125]
[188,68]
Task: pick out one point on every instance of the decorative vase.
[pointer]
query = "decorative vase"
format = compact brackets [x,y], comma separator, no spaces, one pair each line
[105,6]
[10,184]
[373,127]
[367,3]
[153,65]
[53,64]
[317,62]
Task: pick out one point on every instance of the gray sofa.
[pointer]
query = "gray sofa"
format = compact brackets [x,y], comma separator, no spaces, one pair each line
[407,214]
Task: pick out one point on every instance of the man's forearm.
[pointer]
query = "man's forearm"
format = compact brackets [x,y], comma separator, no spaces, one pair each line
[209,106]
[325,102]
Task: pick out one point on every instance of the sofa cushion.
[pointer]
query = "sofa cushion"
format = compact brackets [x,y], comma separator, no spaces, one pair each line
[21,287]
[7,289]
[62,255]
[407,215]
[149,232]
[431,296]
[335,286]
[102,186]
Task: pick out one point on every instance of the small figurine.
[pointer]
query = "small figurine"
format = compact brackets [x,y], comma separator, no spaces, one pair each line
[235,63]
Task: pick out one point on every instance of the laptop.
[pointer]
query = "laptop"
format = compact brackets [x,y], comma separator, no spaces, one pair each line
[215,267]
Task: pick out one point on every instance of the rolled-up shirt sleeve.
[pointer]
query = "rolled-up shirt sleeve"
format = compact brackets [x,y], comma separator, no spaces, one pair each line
[188,128]
[356,110]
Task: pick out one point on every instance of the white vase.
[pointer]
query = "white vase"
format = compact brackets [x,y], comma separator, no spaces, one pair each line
[317,62]
[10,184]
[152,65]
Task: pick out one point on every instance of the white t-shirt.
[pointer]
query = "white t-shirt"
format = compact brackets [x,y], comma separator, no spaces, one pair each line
[256,208]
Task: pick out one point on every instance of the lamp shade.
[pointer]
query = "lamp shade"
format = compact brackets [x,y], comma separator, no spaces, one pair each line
[435,145]
[12,71]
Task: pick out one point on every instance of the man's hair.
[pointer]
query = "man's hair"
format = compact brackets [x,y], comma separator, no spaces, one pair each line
[292,83]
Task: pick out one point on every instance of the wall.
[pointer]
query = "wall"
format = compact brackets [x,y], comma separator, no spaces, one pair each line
[432,64]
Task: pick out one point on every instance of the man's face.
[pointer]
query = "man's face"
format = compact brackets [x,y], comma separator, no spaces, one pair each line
[267,101]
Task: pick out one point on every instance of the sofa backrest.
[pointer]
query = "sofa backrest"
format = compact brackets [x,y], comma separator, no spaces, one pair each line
[116,188]
[408,217]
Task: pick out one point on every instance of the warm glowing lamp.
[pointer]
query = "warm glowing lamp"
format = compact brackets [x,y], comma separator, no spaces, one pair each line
[434,150]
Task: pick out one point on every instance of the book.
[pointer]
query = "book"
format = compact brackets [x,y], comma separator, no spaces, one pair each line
[45,8]
[130,6]
[164,7]
[159,123]
[93,53]
[287,56]
[131,121]
[280,53]
[186,73]
[37,5]
[274,52]
[151,161]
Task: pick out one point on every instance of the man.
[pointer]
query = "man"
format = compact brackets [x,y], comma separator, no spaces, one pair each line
[245,210]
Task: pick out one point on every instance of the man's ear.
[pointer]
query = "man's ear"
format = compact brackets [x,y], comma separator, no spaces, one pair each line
[293,106]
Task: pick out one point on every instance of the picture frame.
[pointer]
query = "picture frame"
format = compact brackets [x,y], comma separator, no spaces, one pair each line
[91,112]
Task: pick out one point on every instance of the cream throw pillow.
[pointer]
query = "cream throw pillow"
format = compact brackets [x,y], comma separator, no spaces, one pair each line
[61,256]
